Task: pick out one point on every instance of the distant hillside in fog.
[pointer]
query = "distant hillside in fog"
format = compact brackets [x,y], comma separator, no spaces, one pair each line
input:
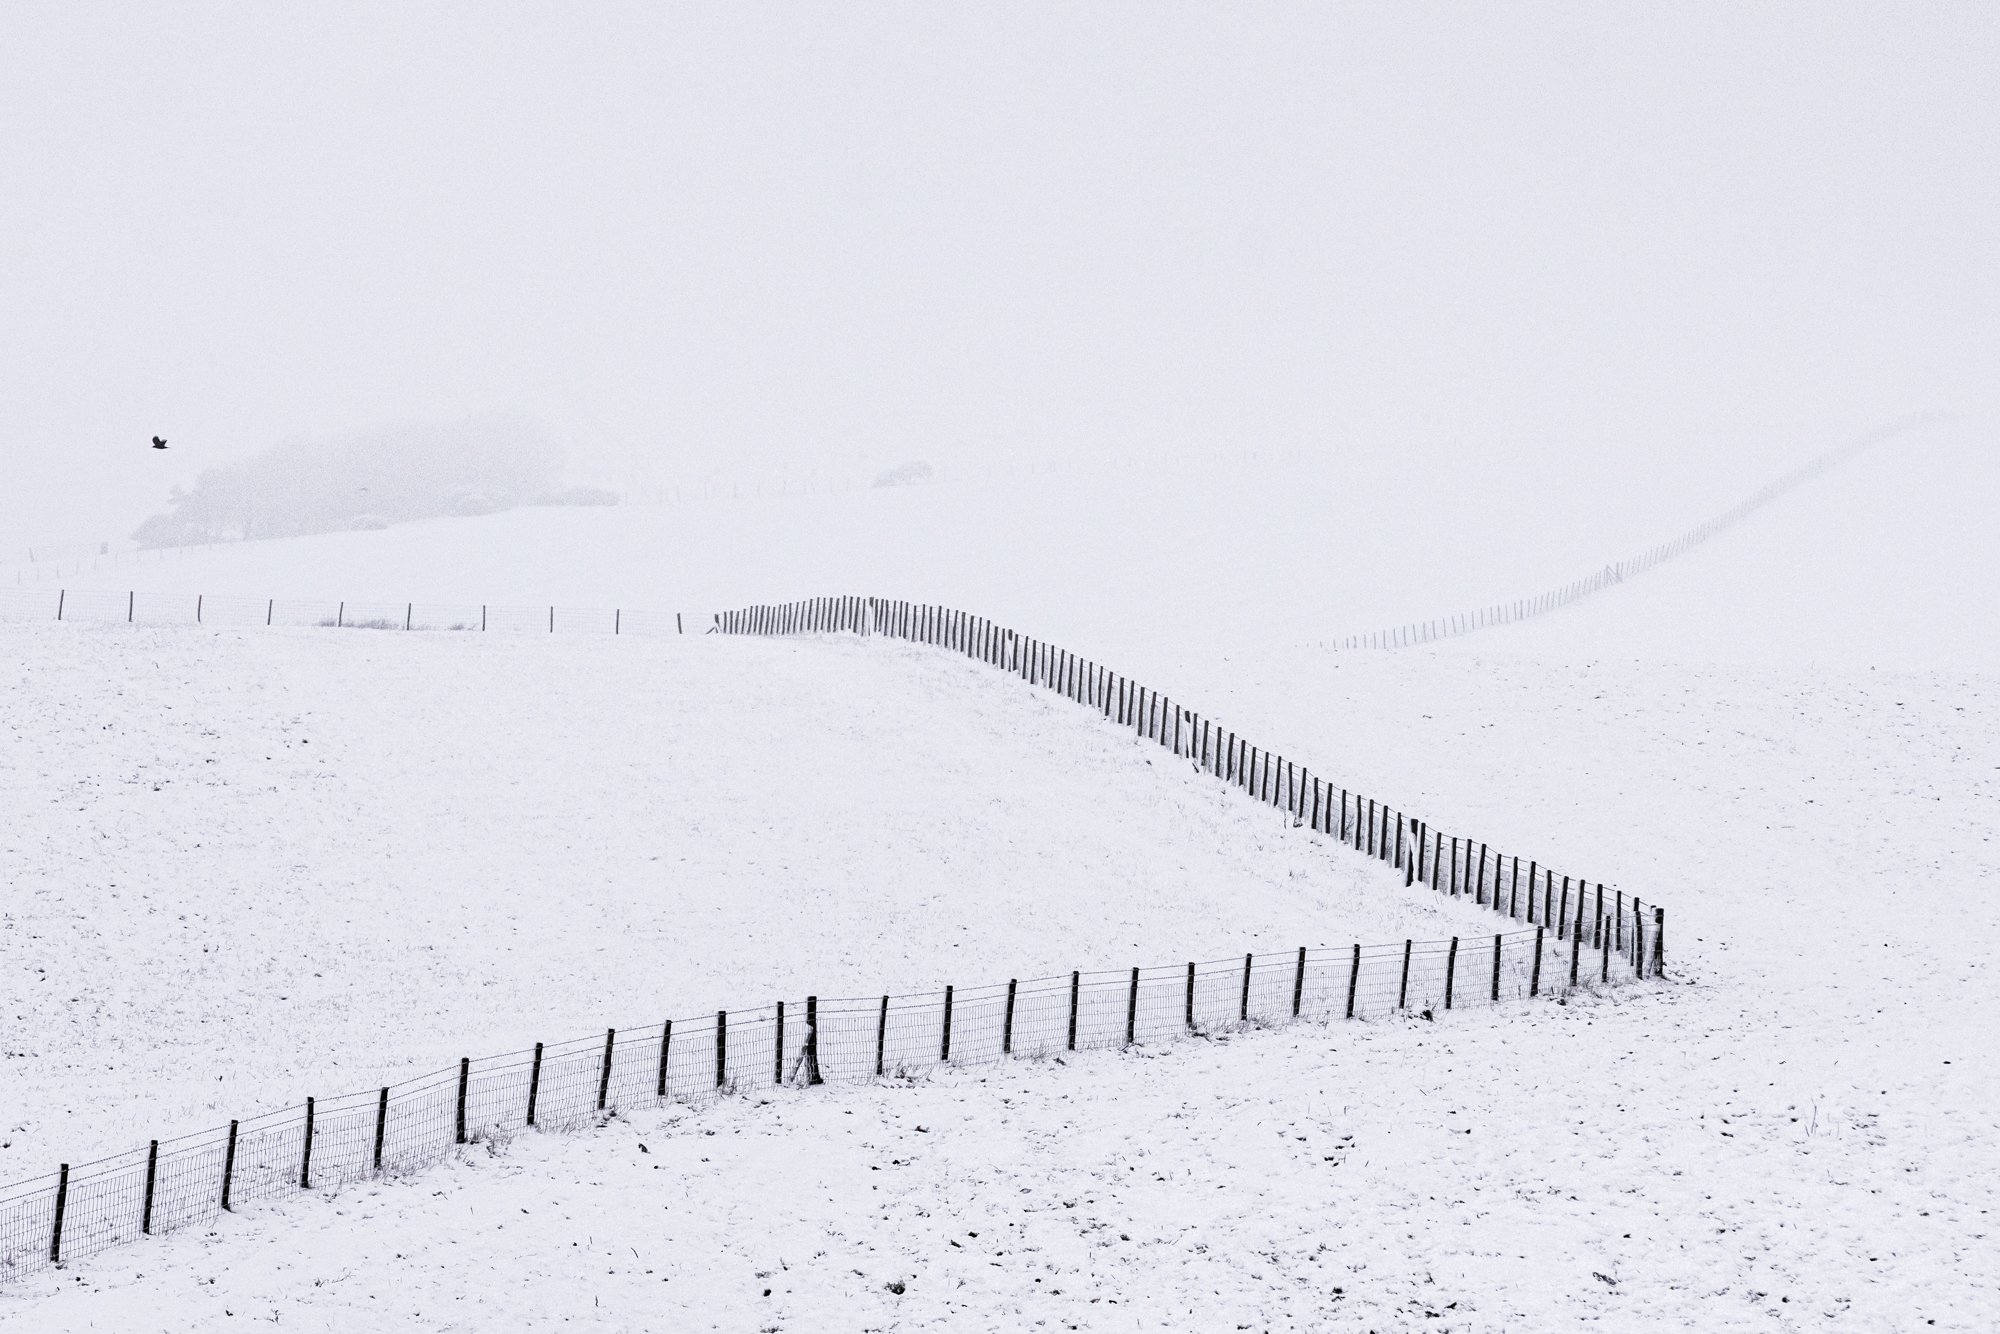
[371,480]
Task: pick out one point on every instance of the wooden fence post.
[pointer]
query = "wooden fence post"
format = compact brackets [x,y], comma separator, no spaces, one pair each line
[1075,981]
[382,1122]
[62,1205]
[944,1050]
[778,1049]
[1659,941]
[1353,979]
[1299,983]
[721,1048]
[464,1079]
[306,1158]
[1450,971]
[228,1166]
[1403,992]
[1575,945]
[1132,1010]
[534,1084]
[1497,941]
[1007,1025]
[152,1174]
[1535,980]
[604,1075]
[1244,1015]
[881,1036]
[1190,998]
[809,1057]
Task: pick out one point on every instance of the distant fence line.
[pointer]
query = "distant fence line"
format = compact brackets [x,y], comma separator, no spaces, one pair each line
[1453,865]
[1522,609]
[1571,935]
[143,608]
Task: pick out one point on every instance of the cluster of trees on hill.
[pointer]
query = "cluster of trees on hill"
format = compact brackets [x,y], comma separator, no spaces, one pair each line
[372,480]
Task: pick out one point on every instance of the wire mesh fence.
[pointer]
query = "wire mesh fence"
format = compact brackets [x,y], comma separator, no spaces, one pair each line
[1562,934]
[1521,609]
[397,1129]
[1523,890]
[145,608]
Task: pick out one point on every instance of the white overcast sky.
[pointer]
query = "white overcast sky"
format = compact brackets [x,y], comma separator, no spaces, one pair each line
[677,235]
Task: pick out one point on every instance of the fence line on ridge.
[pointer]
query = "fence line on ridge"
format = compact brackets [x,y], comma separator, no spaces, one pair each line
[1522,609]
[139,607]
[1444,862]
[1563,935]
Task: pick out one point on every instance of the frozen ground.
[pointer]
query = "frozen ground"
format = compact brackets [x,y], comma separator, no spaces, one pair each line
[248,867]
[1798,1133]
[1270,547]
[1800,1130]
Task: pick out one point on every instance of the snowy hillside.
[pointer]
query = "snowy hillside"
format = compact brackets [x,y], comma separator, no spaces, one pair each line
[1264,547]
[1872,563]
[1891,559]
[319,862]
[1797,1131]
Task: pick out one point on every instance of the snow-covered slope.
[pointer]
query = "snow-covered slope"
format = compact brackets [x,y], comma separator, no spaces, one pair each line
[246,867]
[1118,558]
[1798,1133]
[1891,559]
[1799,1130]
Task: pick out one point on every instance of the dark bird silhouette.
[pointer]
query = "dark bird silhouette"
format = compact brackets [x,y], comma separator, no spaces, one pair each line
[159,443]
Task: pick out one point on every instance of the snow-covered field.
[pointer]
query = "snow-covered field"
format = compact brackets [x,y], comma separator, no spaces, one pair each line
[317,862]
[1798,1131]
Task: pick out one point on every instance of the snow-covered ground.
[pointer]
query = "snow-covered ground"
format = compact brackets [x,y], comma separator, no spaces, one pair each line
[317,862]
[1266,548]
[1799,1131]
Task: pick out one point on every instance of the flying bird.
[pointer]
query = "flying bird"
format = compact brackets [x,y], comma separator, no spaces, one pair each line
[158,443]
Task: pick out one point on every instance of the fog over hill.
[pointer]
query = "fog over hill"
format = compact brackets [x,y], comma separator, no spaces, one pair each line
[1191,339]
[1561,238]
[372,480]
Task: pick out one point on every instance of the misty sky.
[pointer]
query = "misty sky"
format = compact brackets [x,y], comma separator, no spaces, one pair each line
[680,236]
